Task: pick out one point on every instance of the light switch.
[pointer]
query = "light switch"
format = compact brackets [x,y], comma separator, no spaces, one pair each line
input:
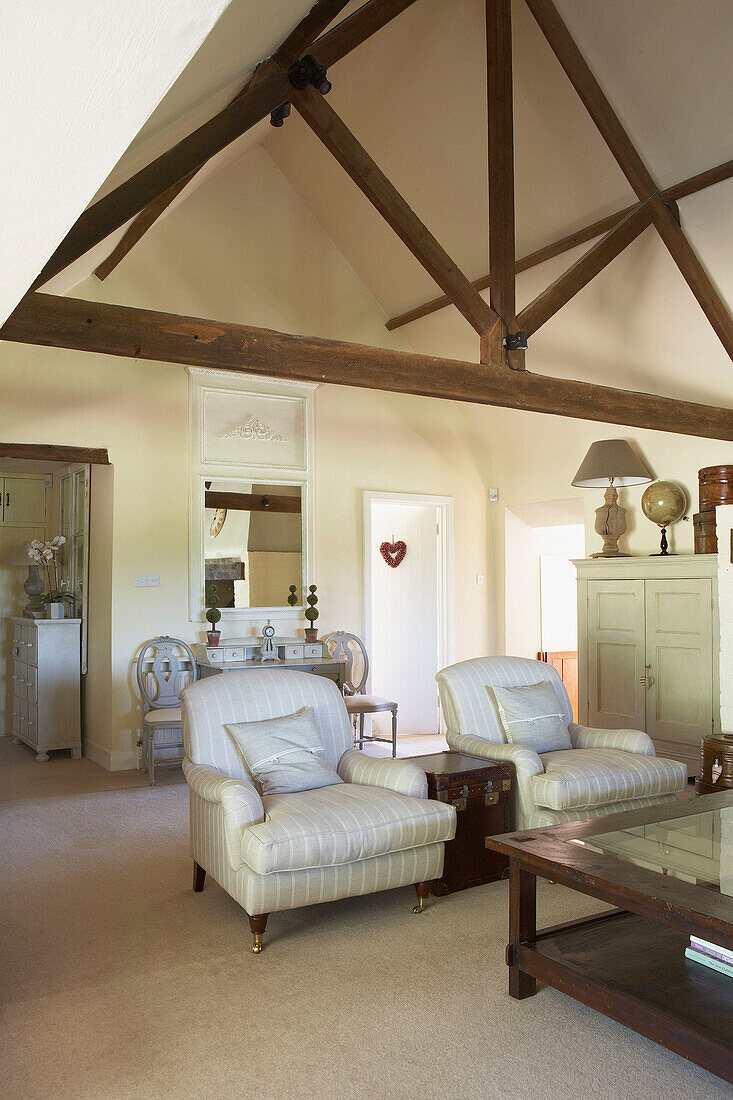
[141,580]
[153,580]
[493,495]
[480,578]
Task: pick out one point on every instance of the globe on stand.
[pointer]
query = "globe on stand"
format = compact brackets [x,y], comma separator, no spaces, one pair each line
[663,502]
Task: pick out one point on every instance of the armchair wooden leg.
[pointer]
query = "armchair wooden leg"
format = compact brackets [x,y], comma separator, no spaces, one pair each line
[257,925]
[422,889]
[199,876]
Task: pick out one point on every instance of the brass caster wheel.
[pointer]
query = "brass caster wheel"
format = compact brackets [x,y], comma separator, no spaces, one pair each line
[420,907]
[257,943]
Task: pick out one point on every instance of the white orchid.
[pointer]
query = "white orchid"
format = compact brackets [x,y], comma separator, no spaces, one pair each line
[34,553]
[57,540]
[35,544]
[47,553]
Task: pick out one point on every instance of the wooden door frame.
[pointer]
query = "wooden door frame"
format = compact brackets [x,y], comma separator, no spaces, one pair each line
[446,585]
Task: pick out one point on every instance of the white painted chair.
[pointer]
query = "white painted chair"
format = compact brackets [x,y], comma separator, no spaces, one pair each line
[374,831]
[164,667]
[606,770]
[349,648]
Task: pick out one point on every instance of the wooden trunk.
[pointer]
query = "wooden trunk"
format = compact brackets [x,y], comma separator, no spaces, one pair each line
[716,486]
[706,538]
[481,794]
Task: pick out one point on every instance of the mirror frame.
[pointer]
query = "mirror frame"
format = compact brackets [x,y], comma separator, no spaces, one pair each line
[260,470]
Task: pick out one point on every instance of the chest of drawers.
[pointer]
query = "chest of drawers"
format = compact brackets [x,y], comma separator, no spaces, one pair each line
[46,685]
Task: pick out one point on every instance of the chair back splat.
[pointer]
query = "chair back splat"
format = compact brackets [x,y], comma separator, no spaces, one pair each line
[164,667]
[346,647]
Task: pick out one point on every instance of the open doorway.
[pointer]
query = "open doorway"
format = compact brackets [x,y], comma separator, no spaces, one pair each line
[408,606]
[541,542]
[45,690]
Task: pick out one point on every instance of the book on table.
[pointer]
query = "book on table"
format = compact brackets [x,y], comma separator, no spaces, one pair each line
[710,954]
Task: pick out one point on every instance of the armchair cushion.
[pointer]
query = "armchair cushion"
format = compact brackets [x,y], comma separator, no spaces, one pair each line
[531,715]
[575,779]
[341,824]
[282,754]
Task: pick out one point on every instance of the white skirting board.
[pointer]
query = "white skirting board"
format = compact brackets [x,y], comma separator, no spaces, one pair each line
[121,760]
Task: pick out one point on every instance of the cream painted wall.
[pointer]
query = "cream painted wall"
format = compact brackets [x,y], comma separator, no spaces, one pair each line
[77,82]
[244,247]
[535,458]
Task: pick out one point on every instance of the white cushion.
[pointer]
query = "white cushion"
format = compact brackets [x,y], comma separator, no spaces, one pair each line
[341,824]
[364,704]
[579,778]
[282,754]
[531,716]
[162,715]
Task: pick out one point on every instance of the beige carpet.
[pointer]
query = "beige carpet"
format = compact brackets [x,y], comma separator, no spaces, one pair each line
[118,981]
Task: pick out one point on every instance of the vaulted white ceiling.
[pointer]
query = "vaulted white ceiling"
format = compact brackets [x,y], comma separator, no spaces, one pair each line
[415,96]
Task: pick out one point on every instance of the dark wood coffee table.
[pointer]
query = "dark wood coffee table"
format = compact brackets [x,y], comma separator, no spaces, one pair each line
[630,963]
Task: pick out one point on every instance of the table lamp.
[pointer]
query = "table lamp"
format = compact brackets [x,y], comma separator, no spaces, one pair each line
[611,462]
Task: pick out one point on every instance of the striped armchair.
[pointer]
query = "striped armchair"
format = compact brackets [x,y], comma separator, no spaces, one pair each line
[605,771]
[374,831]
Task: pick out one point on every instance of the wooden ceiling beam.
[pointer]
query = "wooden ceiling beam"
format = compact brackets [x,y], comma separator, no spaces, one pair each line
[689,186]
[546,304]
[255,102]
[371,181]
[71,323]
[631,164]
[251,502]
[502,260]
[55,452]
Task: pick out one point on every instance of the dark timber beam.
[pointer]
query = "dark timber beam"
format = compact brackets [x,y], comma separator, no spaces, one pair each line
[501,183]
[689,186]
[546,304]
[371,181]
[142,334]
[54,452]
[329,49]
[255,103]
[631,164]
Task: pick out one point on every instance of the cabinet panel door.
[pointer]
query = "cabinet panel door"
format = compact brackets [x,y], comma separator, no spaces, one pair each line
[24,500]
[615,654]
[679,657]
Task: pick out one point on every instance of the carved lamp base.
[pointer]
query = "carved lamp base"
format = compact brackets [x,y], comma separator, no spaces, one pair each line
[610,525]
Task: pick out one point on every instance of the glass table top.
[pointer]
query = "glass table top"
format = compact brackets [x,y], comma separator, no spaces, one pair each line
[697,848]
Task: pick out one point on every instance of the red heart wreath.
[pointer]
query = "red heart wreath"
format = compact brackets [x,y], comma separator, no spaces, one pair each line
[393,552]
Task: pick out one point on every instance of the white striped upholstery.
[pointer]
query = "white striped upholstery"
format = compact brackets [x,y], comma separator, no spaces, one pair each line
[390,834]
[583,737]
[620,775]
[539,817]
[468,707]
[340,824]
[251,696]
[574,779]
[375,771]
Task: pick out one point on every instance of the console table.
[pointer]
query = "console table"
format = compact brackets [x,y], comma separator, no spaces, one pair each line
[236,656]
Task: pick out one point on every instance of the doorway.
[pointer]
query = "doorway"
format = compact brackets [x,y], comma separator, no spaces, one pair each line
[541,542]
[408,609]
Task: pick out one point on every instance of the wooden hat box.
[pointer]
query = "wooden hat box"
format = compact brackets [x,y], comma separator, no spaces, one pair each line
[716,487]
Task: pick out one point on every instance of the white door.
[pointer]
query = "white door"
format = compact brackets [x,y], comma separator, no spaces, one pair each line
[679,666]
[615,654]
[405,612]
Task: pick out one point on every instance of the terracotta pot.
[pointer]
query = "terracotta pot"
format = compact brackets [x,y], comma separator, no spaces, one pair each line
[311,634]
[212,637]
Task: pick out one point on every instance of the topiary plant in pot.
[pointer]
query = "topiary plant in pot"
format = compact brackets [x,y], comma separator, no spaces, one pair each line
[311,614]
[213,615]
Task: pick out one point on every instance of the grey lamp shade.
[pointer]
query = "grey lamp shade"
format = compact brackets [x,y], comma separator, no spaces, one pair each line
[611,458]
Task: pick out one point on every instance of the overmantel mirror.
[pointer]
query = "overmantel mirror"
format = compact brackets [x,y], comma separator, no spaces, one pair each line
[253,545]
[251,495]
